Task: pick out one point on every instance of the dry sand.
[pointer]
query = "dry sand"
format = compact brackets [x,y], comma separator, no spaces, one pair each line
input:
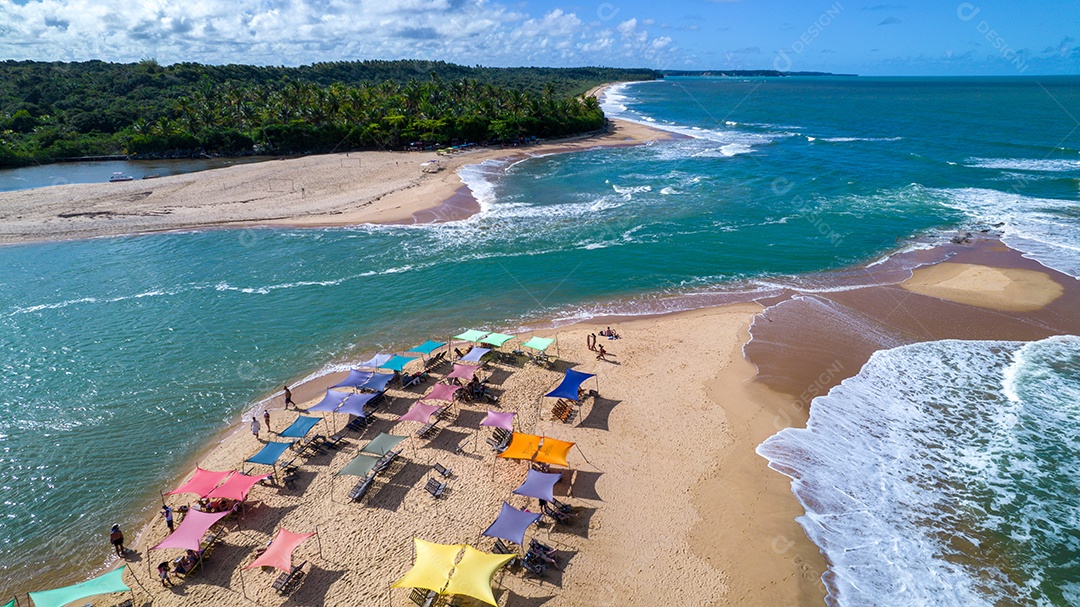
[334,189]
[1007,289]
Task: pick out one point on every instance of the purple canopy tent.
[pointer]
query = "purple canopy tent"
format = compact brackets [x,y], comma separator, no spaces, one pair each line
[330,402]
[419,413]
[355,404]
[191,530]
[442,392]
[511,524]
[474,355]
[355,379]
[569,387]
[377,382]
[540,485]
[463,371]
[499,419]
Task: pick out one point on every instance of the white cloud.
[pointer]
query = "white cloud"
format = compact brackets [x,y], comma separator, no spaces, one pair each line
[294,32]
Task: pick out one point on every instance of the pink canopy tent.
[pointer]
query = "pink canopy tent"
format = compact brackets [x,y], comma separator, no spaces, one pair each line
[463,371]
[202,482]
[442,392]
[237,487]
[419,413]
[279,553]
[500,419]
[191,531]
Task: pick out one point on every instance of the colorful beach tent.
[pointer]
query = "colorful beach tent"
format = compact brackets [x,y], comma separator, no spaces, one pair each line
[471,335]
[540,485]
[474,355]
[237,487]
[103,584]
[570,384]
[511,524]
[300,427]
[428,347]
[463,371]
[376,361]
[497,339]
[539,343]
[331,401]
[397,363]
[383,444]
[10,603]
[442,392]
[378,382]
[474,572]
[355,404]
[355,379]
[553,451]
[202,482]
[419,413]
[269,454]
[279,553]
[499,419]
[431,566]
[361,465]
[191,530]
[522,446]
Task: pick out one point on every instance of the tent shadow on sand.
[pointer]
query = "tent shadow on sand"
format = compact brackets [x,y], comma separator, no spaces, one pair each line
[469,419]
[599,413]
[448,440]
[551,575]
[316,584]
[578,525]
[391,494]
[523,601]
[498,376]
[583,485]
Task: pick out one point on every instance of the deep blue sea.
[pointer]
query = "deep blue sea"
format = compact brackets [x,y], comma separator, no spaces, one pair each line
[121,357]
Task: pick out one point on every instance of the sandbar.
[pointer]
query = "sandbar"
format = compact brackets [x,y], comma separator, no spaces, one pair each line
[1007,289]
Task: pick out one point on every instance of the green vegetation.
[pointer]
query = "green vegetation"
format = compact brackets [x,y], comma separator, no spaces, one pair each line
[52,111]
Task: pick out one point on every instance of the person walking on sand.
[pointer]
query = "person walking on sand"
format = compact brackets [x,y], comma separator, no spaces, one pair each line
[266,418]
[117,538]
[255,428]
[163,573]
[166,511]
[603,353]
[288,398]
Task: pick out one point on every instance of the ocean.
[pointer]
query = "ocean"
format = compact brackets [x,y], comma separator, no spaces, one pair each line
[123,356]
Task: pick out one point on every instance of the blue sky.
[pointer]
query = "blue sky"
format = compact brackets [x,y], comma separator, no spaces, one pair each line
[870,38]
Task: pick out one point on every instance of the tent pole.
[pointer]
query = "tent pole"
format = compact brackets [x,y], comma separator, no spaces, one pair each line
[243,587]
[136,578]
[318,538]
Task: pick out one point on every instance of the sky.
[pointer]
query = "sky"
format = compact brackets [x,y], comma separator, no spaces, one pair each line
[980,37]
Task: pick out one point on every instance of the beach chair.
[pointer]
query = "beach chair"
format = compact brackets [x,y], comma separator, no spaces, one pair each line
[502,435]
[444,471]
[532,564]
[361,488]
[423,597]
[288,582]
[429,430]
[435,488]
[554,513]
[501,548]
[385,461]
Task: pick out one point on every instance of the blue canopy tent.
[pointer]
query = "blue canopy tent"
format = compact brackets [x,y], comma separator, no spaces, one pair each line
[300,427]
[428,347]
[397,363]
[474,355]
[105,583]
[330,402]
[378,382]
[540,485]
[511,524]
[569,387]
[355,379]
[355,403]
[269,454]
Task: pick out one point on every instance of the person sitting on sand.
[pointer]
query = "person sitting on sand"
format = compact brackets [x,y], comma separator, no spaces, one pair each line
[610,333]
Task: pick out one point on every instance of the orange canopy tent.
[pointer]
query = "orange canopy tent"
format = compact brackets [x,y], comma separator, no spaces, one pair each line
[542,449]
[279,553]
[553,451]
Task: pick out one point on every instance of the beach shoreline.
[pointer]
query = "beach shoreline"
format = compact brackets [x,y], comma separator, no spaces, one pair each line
[739,515]
[328,190]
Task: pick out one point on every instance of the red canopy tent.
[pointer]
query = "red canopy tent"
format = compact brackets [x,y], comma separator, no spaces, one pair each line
[279,553]
[237,487]
[202,482]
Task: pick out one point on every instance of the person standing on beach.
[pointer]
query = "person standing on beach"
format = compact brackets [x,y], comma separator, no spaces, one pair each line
[603,353]
[117,538]
[266,418]
[288,399]
[166,511]
[163,573]
[590,341]
[255,426]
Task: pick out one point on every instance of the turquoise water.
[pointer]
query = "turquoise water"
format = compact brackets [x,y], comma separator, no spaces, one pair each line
[45,175]
[120,357]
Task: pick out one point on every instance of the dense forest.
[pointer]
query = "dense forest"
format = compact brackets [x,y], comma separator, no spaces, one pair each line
[56,111]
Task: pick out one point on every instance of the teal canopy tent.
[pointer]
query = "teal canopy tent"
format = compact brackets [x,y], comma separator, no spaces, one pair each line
[539,343]
[383,444]
[10,603]
[103,584]
[428,347]
[471,335]
[300,427]
[361,465]
[397,363]
[269,454]
[497,339]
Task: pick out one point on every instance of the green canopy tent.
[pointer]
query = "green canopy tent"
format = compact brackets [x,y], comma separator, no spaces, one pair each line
[383,444]
[540,344]
[105,583]
[472,335]
[10,603]
[497,339]
[361,466]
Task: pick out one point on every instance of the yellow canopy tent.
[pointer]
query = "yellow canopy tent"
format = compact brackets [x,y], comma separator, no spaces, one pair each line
[474,572]
[432,566]
[553,451]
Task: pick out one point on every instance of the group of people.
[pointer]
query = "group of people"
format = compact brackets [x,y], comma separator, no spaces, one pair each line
[590,342]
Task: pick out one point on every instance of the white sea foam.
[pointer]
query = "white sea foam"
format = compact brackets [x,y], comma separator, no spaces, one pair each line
[1025,164]
[912,471]
[850,139]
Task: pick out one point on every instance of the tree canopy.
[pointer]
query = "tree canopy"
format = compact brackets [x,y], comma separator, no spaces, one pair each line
[51,111]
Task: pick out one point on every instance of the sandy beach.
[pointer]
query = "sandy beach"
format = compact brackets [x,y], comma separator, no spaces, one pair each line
[323,190]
